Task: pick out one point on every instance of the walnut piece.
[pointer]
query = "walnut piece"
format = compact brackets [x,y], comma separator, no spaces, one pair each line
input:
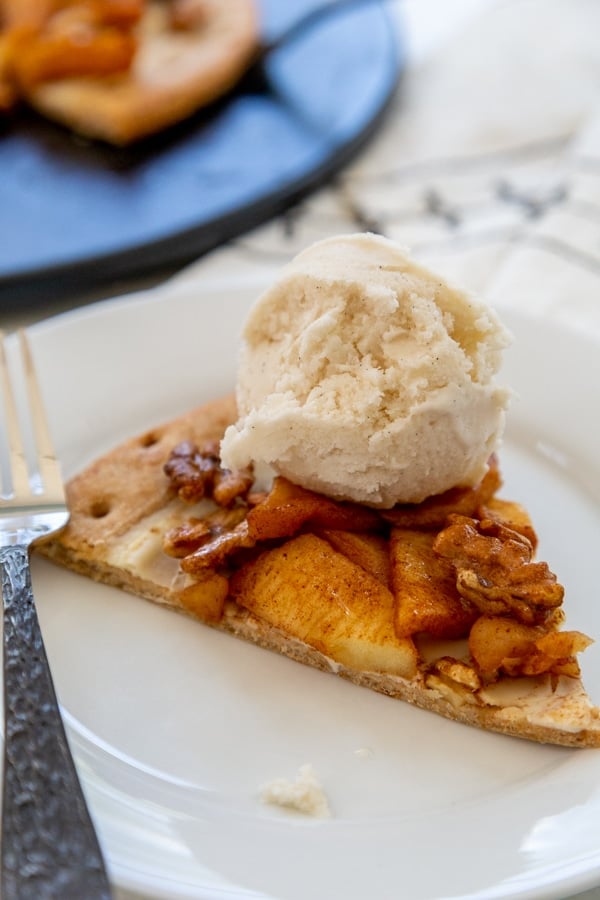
[189,536]
[217,552]
[196,473]
[494,570]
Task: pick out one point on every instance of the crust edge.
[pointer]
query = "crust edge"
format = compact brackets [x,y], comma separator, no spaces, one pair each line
[244,625]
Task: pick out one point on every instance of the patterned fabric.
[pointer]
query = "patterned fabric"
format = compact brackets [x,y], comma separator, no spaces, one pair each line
[487,166]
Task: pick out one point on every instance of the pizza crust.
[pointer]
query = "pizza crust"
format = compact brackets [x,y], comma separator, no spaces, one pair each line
[121,504]
[174,73]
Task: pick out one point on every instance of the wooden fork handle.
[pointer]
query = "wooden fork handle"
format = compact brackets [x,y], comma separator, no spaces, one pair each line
[49,846]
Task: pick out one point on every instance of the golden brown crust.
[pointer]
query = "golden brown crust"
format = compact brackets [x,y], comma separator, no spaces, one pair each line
[175,73]
[129,484]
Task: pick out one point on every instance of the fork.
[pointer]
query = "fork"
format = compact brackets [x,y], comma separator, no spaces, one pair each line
[49,846]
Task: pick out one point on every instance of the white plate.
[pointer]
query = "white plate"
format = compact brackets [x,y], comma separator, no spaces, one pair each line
[176,727]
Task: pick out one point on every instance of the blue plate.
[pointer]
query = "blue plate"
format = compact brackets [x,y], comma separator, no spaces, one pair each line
[74,212]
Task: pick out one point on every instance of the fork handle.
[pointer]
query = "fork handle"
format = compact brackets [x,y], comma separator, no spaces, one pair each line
[49,846]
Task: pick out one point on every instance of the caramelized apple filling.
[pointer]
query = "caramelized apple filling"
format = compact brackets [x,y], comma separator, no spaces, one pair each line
[364,586]
[45,40]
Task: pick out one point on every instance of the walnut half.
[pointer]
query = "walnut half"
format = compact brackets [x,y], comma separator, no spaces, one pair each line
[196,472]
[494,570]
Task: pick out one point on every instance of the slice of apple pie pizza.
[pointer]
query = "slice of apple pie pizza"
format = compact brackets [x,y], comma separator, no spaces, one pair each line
[120,70]
[377,547]
[438,603]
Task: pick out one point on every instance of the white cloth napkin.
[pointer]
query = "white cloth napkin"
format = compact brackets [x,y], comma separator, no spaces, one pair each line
[487,167]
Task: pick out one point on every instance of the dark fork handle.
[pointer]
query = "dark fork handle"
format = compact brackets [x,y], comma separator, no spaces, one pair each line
[49,847]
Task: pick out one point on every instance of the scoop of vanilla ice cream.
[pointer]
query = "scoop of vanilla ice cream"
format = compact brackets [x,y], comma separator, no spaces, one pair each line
[366,377]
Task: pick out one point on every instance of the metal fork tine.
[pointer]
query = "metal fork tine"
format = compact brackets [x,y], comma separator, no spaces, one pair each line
[57,835]
[18,463]
[49,468]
